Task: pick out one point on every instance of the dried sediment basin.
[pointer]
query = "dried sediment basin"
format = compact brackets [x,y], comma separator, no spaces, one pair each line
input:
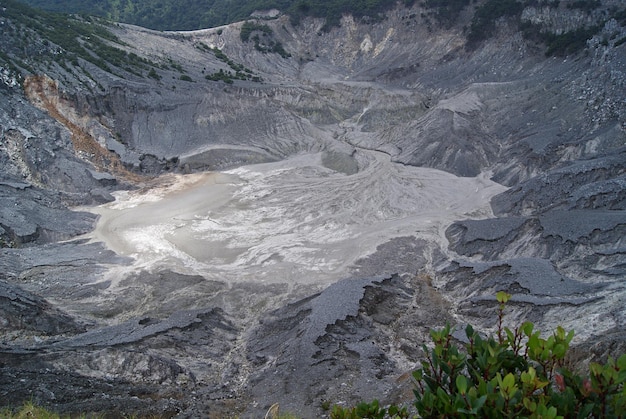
[293,221]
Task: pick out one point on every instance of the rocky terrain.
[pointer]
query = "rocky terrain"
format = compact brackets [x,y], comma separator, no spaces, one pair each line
[227,224]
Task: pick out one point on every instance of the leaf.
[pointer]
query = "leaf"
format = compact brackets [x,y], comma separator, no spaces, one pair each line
[529,376]
[559,350]
[461,384]
[503,297]
[560,333]
[478,403]
[509,381]
[595,368]
[529,404]
[527,328]
[509,334]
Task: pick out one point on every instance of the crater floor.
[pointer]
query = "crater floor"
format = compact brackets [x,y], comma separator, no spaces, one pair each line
[294,221]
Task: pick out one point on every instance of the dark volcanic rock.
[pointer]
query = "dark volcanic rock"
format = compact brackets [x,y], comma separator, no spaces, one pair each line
[22,311]
[68,392]
[29,215]
[337,346]
[98,370]
[535,278]
[584,184]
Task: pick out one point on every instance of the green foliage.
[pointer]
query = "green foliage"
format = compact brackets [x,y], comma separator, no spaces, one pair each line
[66,38]
[484,22]
[263,43]
[248,27]
[371,410]
[569,42]
[153,74]
[562,44]
[220,76]
[31,411]
[574,41]
[333,10]
[517,373]
[175,66]
[446,11]
[240,72]
[197,14]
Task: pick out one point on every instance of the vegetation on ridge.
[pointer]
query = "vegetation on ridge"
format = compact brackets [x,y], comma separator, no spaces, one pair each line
[197,14]
[35,37]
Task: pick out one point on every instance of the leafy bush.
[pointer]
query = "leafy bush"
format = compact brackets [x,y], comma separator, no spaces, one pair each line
[369,410]
[248,27]
[516,373]
[446,11]
[220,75]
[267,44]
[484,22]
[153,74]
[569,42]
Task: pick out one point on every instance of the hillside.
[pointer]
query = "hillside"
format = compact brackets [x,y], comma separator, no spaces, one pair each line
[205,223]
[201,14]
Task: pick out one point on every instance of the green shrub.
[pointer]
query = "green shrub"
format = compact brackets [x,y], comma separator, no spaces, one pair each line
[83,37]
[248,27]
[515,373]
[29,410]
[484,21]
[569,42]
[153,74]
[446,11]
[371,410]
[242,73]
[267,44]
